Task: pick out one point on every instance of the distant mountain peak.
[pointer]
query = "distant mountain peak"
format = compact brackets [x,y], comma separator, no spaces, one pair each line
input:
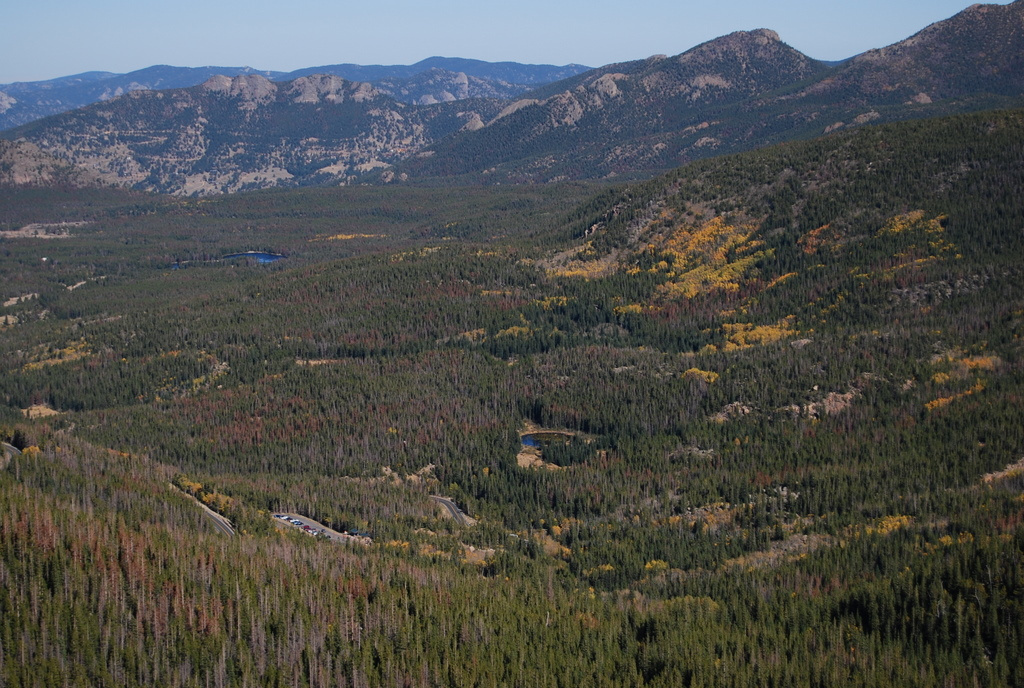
[316,88]
[248,87]
[759,43]
[331,89]
[764,36]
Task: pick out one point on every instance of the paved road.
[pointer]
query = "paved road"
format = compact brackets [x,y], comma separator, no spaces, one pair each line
[9,451]
[454,510]
[219,522]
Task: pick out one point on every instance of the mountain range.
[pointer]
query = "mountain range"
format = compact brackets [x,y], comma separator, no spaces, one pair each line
[737,92]
[435,79]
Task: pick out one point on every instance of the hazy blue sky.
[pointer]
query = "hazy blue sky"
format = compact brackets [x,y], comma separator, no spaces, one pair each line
[44,39]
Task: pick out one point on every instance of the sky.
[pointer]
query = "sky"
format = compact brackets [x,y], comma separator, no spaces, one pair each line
[45,39]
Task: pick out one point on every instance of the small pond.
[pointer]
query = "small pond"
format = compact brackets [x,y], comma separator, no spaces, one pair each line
[545,439]
[261,257]
[559,448]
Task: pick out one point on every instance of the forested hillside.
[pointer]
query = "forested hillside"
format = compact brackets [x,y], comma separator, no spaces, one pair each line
[754,422]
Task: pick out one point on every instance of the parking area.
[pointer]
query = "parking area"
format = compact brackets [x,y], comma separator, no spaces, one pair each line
[319,530]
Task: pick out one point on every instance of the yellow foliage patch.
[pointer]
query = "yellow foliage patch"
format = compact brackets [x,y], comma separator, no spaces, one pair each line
[888,524]
[901,223]
[704,259]
[44,356]
[814,240]
[217,501]
[428,550]
[709,243]
[711,277]
[961,539]
[698,374]
[409,255]
[744,335]
[780,279]
[946,401]
[930,231]
[982,362]
[585,269]
[515,331]
[583,262]
[549,302]
[962,367]
[190,486]
[598,570]
[938,403]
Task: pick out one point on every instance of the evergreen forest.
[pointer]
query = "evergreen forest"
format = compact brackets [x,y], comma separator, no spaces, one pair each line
[756,422]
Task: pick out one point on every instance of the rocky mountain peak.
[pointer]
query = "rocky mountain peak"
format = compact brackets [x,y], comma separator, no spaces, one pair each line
[248,87]
[759,43]
[330,89]
[765,36]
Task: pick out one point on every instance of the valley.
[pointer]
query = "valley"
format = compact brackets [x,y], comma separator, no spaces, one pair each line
[793,374]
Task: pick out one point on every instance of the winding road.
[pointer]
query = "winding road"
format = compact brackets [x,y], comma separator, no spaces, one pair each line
[219,522]
[454,510]
[9,451]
